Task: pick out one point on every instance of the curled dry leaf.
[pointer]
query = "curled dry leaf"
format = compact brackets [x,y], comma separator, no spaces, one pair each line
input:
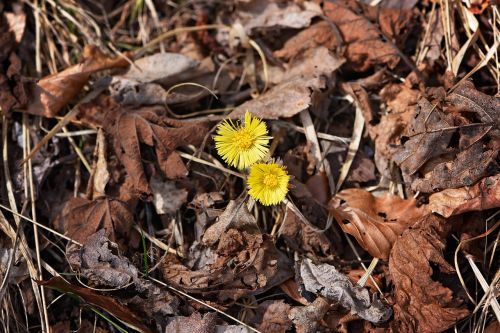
[81,218]
[129,129]
[375,222]
[53,92]
[107,303]
[99,265]
[242,260]
[423,304]
[483,195]
[325,280]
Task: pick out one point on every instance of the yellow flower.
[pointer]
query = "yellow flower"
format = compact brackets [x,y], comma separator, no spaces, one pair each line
[268,183]
[242,145]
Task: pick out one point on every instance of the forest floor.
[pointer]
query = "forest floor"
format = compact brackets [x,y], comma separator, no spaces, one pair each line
[209,166]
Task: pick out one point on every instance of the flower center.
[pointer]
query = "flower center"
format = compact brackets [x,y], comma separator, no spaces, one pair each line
[270,180]
[243,139]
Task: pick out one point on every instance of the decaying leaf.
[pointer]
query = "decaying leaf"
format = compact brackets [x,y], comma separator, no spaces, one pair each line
[81,218]
[99,265]
[375,222]
[325,280]
[108,303]
[193,324]
[483,195]
[284,100]
[129,129]
[242,260]
[430,160]
[272,316]
[53,92]
[167,198]
[427,139]
[364,46]
[235,215]
[401,101]
[423,304]
[303,238]
[315,62]
[264,14]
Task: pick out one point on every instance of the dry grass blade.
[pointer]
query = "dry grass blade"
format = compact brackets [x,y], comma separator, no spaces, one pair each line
[357,133]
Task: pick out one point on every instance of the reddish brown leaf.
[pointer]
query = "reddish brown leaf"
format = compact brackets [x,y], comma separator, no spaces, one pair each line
[82,218]
[53,92]
[483,195]
[106,303]
[422,304]
[364,46]
[129,129]
[375,222]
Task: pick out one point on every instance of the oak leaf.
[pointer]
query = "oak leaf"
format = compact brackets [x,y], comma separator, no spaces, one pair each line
[423,304]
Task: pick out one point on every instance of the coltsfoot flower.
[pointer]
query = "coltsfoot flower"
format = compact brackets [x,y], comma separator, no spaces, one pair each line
[268,183]
[241,145]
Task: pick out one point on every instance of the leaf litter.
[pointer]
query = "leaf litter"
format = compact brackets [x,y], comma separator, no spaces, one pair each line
[146,228]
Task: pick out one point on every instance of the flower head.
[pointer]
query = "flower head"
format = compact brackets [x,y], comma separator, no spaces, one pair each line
[244,144]
[268,183]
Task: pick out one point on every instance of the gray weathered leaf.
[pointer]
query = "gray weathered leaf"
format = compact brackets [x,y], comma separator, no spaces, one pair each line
[325,280]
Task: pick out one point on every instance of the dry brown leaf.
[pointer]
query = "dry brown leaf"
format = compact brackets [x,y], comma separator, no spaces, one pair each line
[272,316]
[427,139]
[53,92]
[13,93]
[364,46]
[375,222]
[131,128]
[193,324]
[242,261]
[107,303]
[315,62]
[284,100]
[265,14]
[304,239]
[81,218]
[167,198]
[401,102]
[423,304]
[483,195]
[318,34]
[430,160]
